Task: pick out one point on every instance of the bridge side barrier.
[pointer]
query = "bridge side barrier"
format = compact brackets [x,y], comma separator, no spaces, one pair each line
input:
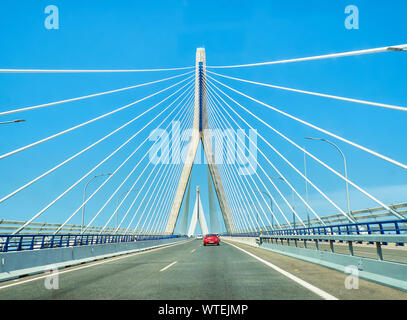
[10,226]
[368,228]
[14,264]
[339,247]
[21,242]
[390,273]
[251,241]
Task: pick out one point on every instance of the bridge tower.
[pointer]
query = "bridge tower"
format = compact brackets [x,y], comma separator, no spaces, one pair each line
[200,132]
[198,215]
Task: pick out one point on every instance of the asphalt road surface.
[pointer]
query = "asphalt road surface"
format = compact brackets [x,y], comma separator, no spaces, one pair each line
[191,271]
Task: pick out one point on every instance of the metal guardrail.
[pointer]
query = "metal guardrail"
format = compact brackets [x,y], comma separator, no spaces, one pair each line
[375,232]
[9,226]
[22,242]
[364,215]
[378,240]
[369,228]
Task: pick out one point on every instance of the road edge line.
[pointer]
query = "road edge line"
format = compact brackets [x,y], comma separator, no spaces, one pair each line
[301,282]
[169,266]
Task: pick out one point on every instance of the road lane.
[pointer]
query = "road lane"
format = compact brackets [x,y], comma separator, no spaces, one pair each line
[191,271]
[113,278]
[300,281]
[207,273]
[329,280]
[223,272]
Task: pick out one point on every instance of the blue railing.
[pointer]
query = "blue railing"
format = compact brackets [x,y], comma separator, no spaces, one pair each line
[43,241]
[374,227]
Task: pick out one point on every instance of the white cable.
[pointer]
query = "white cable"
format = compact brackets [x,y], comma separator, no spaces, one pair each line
[85,123]
[276,203]
[164,220]
[163,177]
[376,104]
[321,162]
[78,181]
[128,176]
[171,195]
[265,173]
[228,177]
[161,201]
[134,200]
[242,220]
[128,210]
[167,201]
[237,206]
[217,123]
[145,155]
[242,183]
[401,165]
[115,212]
[88,70]
[161,212]
[285,159]
[139,146]
[258,189]
[400,47]
[212,104]
[151,202]
[82,151]
[267,159]
[188,106]
[166,209]
[239,217]
[87,96]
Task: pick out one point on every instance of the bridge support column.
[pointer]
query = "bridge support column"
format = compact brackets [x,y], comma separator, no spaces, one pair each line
[350,244]
[331,245]
[379,251]
[200,133]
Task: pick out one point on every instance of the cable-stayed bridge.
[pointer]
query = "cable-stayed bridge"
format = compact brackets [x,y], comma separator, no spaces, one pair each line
[136,196]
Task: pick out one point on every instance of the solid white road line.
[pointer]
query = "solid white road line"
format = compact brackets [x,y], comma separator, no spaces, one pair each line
[91,265]
[301,282]
[192,251]
[169,266]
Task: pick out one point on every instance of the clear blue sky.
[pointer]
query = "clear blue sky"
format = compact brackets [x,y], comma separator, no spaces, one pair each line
[154,34]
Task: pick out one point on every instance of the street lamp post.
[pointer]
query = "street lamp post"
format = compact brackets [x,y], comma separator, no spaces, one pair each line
[292,194]
[84,196]
[306,187]
[271,206]
[257,217]
[346,170]
[251,203]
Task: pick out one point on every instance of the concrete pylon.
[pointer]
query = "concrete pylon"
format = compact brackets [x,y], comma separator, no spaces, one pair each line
[200,132]
[198,215]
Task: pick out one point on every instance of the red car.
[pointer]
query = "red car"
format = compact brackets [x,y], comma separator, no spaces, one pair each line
[211,238]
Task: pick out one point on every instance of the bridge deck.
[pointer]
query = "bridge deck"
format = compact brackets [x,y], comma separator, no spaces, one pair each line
[222,272]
